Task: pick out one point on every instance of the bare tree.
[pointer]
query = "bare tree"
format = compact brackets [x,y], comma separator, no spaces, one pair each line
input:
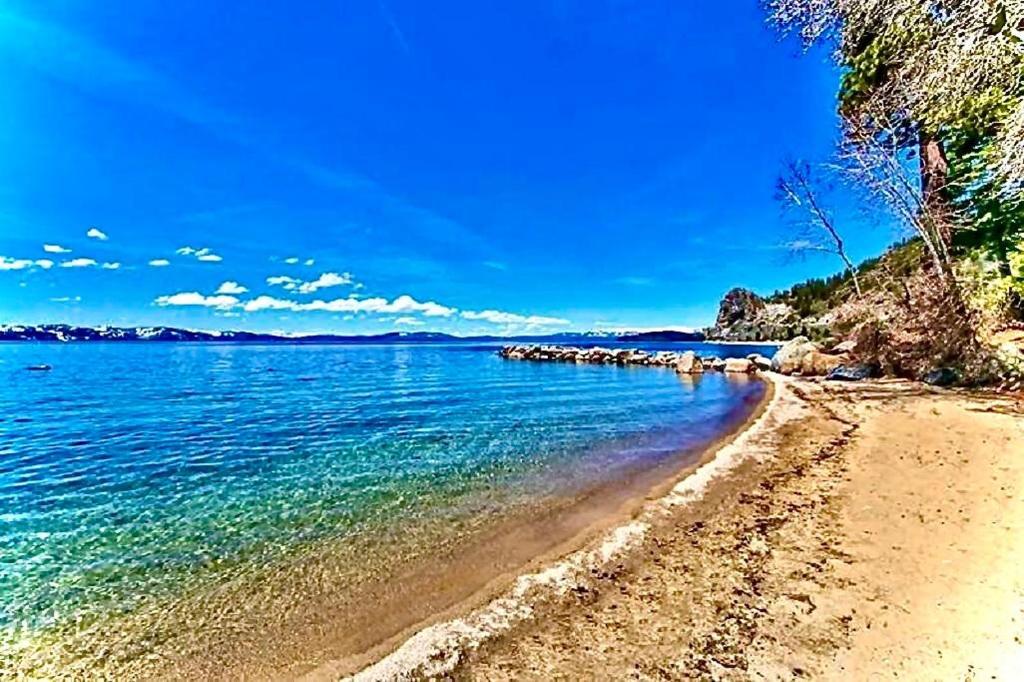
[935,61]
[886,172]
[797,188]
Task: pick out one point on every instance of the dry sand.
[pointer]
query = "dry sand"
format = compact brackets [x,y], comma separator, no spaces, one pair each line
[853,532]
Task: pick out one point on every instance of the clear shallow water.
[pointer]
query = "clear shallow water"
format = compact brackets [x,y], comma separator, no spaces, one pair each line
[134,472]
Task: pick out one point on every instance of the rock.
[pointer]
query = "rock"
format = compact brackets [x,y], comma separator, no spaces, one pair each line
[738,304]
[665,358]
[738,307]
[943,376]
[817,363]
[689,363]
[844,347]
[851,373]
[717,364]
[760,361]
[740,366]
[638,357]
[789,357]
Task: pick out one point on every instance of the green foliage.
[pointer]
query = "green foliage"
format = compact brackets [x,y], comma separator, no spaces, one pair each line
[816,296]
[990,219]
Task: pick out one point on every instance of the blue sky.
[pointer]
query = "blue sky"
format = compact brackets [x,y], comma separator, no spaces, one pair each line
[369,165]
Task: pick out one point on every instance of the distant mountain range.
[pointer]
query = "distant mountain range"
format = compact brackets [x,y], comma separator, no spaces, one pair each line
[69,333]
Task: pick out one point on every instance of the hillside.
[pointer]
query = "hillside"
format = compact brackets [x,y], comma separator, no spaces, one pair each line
[807,308]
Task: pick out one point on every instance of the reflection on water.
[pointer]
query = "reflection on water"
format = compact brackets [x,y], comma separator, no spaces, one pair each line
[134,474]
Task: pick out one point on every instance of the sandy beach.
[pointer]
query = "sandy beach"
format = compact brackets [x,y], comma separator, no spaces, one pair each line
[850,532]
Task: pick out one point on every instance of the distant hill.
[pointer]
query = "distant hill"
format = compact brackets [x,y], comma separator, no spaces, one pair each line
[667,336]
[70,333]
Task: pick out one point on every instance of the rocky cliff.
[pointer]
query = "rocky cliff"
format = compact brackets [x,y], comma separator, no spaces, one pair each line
[745,316]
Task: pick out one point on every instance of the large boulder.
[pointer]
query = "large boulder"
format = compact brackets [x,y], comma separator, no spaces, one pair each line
[845,347]
[760,361]
[689,363]
[818,364]
[851,373]
[942,376]
[740,366]
[713,362]
[789,358]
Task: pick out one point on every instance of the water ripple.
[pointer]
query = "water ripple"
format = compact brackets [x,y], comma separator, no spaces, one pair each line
[137,471]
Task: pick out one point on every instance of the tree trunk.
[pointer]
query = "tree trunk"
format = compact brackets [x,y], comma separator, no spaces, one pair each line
[934,190]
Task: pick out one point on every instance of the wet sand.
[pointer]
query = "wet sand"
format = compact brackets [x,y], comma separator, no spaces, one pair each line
[852,532]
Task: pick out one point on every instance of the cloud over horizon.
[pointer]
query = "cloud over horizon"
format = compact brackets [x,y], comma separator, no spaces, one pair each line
[409,309]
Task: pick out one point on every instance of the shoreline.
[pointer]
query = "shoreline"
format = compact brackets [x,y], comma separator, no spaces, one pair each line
[605,507]
[435,648]
[360,623]
[852,530]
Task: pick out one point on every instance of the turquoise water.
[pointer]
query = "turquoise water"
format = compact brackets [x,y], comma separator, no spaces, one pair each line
[134,472]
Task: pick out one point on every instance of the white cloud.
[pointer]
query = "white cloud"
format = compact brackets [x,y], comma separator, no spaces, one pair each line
[407,304]
[499,317]
[402,305]
[295,260]
[194,298]
[408,309]
[204,254]
[66,299]
[284,281]
[78,263]
[111,266]
[327,279]
[268,303]
[94,233]
[159,262]
[55,248]
[7,263]
[230,287]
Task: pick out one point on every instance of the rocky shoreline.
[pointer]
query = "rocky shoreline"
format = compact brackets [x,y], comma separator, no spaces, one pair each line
[685,362]
[799,357]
